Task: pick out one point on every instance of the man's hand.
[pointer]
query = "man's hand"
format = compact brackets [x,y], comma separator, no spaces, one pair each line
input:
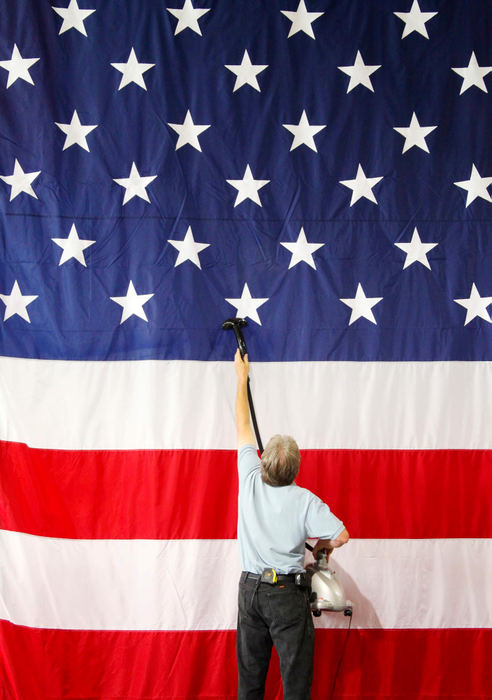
[323,546]
[242,366]
[330,545]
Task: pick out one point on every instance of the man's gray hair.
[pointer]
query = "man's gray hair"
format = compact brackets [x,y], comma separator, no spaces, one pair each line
[280,461]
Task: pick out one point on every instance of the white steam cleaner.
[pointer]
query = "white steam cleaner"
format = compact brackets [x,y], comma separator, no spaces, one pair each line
[327,592]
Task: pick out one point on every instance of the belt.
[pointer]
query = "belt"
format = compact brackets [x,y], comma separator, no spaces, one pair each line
[248,576]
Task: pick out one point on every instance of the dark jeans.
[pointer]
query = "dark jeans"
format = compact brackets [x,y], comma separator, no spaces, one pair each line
[278,615]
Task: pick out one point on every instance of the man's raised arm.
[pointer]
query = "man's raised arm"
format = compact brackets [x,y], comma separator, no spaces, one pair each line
[243,424]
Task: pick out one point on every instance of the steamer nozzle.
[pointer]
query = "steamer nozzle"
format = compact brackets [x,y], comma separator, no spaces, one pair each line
[236,324]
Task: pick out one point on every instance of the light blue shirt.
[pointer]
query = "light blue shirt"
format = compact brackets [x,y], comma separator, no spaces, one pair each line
[275,521]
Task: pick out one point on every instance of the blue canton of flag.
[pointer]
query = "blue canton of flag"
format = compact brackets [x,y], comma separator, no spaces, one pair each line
[323,173]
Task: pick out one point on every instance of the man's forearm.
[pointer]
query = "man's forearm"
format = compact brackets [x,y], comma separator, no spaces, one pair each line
[242,406]
[337,542]
[243,424]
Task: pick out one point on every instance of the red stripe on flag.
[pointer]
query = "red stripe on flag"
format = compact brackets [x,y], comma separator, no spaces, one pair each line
[182,494]
[377,663]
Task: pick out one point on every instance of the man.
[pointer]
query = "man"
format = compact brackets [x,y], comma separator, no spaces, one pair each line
[275,517]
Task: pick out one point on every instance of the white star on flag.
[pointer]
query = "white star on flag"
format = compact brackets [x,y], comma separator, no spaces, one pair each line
[301,20]
[359,73]
[20,181]
[18,67]
[248,187]
[416,250]
[304,132]
[73,247]
[414,134]
[135,185]
[132,304]
[73,17]
[475,187]
[247,306]
[188,132]
[301,250]
[132,71]
[76,133]
[16,303]
[415,20]
[475,305]
[188,249]
[473,74]
[361,186]
[188,17]
[246,73]
[361,305]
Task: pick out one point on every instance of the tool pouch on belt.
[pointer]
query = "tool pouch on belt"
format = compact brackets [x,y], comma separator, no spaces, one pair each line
[269,576]
[303,580]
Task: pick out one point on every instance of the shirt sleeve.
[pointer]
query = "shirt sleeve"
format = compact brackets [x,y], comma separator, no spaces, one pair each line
[248,461]
[321,522]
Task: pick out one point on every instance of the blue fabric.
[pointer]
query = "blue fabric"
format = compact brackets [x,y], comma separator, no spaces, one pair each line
[275,521]
[74,317]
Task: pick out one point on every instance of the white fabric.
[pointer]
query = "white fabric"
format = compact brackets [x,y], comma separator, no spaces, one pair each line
[369,405]
[192,584]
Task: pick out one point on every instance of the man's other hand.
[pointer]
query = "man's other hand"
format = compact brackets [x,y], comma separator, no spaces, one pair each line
[323,546]
[330,545]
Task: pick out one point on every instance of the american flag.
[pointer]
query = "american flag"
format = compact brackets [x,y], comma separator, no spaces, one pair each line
[322,169]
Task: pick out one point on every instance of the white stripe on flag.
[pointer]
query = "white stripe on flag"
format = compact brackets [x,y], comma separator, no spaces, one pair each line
[191,584]
[344,405]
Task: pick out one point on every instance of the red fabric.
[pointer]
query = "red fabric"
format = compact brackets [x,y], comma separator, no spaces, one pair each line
[405,664]
[178,494]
